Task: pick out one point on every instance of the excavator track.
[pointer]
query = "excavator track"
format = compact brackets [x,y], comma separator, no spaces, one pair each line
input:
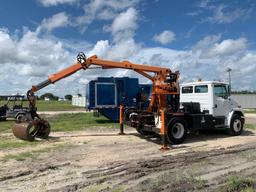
[28,130]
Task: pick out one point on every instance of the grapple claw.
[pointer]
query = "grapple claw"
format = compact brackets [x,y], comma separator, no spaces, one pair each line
[44,129]
[30,129]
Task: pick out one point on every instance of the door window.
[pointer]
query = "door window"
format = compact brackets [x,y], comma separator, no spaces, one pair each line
[220,90]
[187,89]
[201,89]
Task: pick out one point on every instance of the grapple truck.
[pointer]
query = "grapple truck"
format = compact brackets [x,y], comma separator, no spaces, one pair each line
[163,116]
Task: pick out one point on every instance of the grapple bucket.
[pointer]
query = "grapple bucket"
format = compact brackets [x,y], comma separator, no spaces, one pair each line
[28,130]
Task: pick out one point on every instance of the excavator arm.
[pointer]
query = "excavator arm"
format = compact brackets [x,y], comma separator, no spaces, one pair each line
[164,82]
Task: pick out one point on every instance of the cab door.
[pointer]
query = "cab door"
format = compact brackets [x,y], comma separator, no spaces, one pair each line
[222,104]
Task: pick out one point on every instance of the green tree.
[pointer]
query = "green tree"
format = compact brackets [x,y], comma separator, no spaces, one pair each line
[50,96]
[68,97]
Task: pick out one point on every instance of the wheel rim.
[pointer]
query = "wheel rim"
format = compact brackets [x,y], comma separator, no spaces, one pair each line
[237,125]
[178,130]
[21,117]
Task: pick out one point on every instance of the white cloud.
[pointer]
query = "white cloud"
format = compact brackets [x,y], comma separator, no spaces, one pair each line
[164,37]
[7,46]
[106,14]
[124,25]
[100,49]
[207,59]
[124,49]
[204,3]
[34,50]
[202,47]
[211,46]
[83,81]
[125,21]
[229,47]
[194,13]
[117,51]
[103,10]
[29,58]
[56,21]
[222,15]
[48,3]
[122,29]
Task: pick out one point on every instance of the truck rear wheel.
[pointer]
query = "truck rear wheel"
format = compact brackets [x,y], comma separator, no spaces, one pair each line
[177,130]
[236,125]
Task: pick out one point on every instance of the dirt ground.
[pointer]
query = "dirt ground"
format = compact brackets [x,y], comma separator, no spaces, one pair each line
[106,161]
[250,118]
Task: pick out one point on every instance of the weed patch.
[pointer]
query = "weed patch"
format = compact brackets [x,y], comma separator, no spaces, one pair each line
[250,126]
[235,184]
[34,154]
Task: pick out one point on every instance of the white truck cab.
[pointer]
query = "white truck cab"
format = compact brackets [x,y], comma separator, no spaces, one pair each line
[214,99]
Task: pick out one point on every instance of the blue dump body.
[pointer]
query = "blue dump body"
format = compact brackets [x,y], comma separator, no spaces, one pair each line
[107,93]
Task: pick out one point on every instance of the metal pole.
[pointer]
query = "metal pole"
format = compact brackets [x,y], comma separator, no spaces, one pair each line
[121,120]
[163,130]
[229,79]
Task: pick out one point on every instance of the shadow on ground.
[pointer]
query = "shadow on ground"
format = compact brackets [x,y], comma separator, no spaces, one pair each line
[206,135]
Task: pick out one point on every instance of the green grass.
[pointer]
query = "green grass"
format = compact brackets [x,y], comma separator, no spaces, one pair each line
[35,153]
[10,142]
[249,155]
[56,106]
[183,178]
[68,122]
[80,121]
[235,183]
[61,122]
[250,126]
[250,110]
[51,105]
[189,176]
[6,126]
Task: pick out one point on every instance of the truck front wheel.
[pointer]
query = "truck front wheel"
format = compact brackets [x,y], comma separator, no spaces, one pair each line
[236,125]
[177,131]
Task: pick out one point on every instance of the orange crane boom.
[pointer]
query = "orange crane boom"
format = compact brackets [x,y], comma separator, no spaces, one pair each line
[164,81]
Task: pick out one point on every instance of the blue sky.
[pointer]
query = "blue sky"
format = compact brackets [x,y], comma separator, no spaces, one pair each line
[199,38]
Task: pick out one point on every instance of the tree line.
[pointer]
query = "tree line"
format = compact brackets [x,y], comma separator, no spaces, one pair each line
[54,97]
[243,92]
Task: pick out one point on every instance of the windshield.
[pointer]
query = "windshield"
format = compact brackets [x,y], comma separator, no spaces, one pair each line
[220,90]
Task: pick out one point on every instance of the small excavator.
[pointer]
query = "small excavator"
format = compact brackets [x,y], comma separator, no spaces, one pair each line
[164,98]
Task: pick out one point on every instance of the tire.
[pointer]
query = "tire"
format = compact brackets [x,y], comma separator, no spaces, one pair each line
[20,117]
[236,125]
[127,113]
[177,130]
